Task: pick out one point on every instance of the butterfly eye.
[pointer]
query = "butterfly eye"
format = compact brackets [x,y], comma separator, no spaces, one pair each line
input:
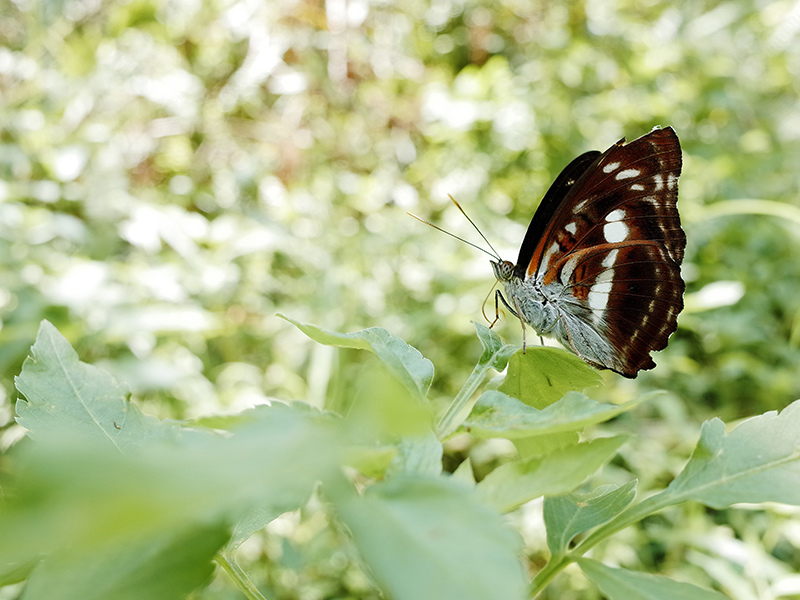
[503,270]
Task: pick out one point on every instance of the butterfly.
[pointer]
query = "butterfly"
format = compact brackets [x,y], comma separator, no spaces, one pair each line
[600,265]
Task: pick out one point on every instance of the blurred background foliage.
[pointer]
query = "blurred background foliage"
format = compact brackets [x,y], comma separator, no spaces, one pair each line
[175,172]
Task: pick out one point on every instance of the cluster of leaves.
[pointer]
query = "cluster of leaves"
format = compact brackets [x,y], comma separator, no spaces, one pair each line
[172,173]
[104,501]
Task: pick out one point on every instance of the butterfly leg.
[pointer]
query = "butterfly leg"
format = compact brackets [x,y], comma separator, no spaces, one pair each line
[498,296]
[517,313]
[521,321]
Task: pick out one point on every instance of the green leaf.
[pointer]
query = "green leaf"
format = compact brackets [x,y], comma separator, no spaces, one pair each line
[70,491]
[542,375]
[567,516]
[383,410]
[495,351]
[166,567]
[464,472]
[372,461]
[405,362]
[64,395]
[499,415]
[623,584]
[554,474]
[422,455]
[759,461]
[432,538]
[247,525]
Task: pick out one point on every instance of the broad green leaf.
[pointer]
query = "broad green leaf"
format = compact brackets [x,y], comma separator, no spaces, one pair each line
[623,584]
[421,455]
[433,538]
[554,474]
[383,410]
[405,362]
[495,351]
[499,415]
[567,516]
[69,490]
[66,396]
[542,375]
[167,566]
[759,461]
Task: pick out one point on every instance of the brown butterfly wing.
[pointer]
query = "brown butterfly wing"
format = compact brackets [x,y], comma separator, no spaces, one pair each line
[615,243]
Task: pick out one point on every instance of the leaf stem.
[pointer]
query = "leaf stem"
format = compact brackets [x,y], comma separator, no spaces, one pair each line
[460,406]
[229,564]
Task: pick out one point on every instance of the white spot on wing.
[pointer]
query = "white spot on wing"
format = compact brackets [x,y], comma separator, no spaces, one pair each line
[571,227]
[611,167]
[579,206]
[609,260]
[599,292]
[659,181]
[598,296]
[615,215]
[627,174]
[615,232]
[549,254]
[637,187]
[568,269]
[672,181]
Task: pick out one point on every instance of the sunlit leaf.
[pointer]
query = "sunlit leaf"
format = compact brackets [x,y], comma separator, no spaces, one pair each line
[759,461]
[559,472]
[498,415]
[63,395]
[542,375]
[405,362]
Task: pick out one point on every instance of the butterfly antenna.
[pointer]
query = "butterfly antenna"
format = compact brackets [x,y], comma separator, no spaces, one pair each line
[495,255]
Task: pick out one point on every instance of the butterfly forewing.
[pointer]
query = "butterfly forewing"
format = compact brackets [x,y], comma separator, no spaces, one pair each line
[549,205]
[611,246]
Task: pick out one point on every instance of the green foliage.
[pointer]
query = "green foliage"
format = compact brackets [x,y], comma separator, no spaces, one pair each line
[622,584]
[419,538]
[103,501]
[173,174]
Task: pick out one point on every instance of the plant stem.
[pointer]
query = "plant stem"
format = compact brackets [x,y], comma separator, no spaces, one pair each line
[460,406]
[239,576]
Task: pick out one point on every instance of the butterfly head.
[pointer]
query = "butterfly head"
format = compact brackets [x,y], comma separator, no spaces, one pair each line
[503,269]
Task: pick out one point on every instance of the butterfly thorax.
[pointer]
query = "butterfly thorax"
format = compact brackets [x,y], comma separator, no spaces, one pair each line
[529,299]
[536,303]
